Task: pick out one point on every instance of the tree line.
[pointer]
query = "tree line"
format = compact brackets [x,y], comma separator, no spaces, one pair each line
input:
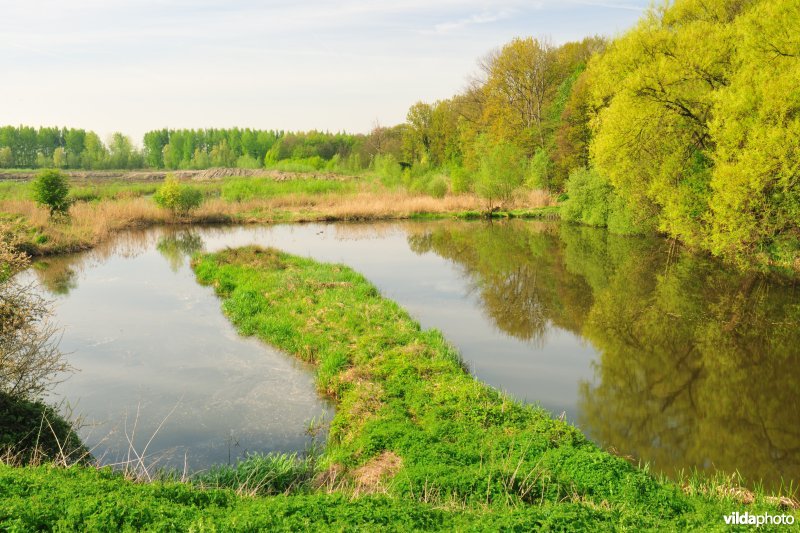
[47,147]
[688,124]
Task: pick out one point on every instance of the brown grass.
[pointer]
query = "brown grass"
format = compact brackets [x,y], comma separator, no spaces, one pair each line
[90,223]
[372,477]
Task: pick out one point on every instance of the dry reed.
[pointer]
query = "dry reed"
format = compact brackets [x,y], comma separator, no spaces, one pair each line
[90,223]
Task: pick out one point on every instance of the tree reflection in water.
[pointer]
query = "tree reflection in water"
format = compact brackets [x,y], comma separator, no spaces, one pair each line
[698,365]
[177,246]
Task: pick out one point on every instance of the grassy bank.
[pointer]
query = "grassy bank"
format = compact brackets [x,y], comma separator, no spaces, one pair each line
[103,206]
[416,442]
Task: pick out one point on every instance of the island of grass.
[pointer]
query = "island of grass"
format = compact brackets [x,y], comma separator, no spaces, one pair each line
[416,442]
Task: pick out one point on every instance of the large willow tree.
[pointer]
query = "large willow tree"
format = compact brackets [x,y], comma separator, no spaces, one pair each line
[697,124]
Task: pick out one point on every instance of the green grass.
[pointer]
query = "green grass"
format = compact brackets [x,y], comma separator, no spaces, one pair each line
[262,474]
[15,190]
[403,391]
[83,190]
[416,442]
[114,190]
[84,499]
[238,189]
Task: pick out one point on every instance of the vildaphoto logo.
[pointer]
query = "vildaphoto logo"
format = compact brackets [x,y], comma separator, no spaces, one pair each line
[745,519]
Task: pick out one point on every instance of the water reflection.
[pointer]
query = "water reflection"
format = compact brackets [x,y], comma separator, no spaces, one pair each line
[160,369]
[177,246]
[681,363]
[57,275]
[698,366]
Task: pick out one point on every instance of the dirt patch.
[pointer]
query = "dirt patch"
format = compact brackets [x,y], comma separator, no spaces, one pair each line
[253,257]
[371,477]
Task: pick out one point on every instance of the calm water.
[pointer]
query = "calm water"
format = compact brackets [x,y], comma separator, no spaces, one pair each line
[678,362]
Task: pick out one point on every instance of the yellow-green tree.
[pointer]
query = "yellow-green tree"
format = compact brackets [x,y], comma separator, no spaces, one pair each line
[520,79]
[695,124]
[755,204]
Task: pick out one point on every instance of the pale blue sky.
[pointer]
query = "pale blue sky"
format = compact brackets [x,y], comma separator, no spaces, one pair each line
[135,65]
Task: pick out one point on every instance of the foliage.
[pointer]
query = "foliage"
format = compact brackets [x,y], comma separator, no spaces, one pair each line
[248,148]
[33,433]
[696,124]
[437,187]
[29,354]
[27,147]
[755,198]
[461,180]
[501,172]
[388,170]
[177,197]
[51,188]
[588,200]
[572,135]
[591,200]
[247,161]
[539,170]
[520,79]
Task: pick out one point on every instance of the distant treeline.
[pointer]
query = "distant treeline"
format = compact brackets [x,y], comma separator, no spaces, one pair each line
[248,148]
[46,147]
[27,147]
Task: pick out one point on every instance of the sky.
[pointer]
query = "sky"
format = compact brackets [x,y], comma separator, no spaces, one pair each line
[138,65]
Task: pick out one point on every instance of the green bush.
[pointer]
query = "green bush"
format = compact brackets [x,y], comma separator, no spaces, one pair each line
[592,200]
[50,188]
[247,161]
[437,187]
[460,180]
[31,432]
[388,170]
[539,170]
[178,198]
[588,198]
[502,170]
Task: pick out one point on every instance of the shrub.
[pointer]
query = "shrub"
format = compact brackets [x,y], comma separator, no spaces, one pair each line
[178,198]
[437,187]
[539,170]
[32,432]
[588,198]
[502,169]
[29,354]
[388,170]
[592,200]
[50,188]
[247,161]
[460,180]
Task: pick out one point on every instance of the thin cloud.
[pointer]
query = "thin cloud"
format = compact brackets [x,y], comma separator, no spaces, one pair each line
[131,65]
[481,18]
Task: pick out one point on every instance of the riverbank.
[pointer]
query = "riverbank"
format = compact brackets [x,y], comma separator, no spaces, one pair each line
[102,207]
[416,442]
